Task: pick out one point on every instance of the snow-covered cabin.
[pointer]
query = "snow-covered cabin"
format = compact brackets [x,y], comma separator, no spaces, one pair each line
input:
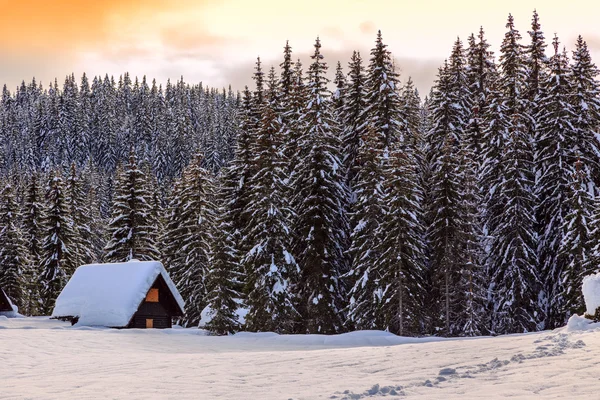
[7,308]
[134,294]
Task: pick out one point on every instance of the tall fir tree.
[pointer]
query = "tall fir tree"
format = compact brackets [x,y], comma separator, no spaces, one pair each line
[195,237]
[58,248]
[575,251]
[321,221]
[13,254]
[130,229]
[225,277]
[271,270]
[555,133]
[33,215]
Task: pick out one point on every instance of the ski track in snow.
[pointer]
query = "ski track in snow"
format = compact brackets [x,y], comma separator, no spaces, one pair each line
[42,359]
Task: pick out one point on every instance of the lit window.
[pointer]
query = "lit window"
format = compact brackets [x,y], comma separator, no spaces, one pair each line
[152,296]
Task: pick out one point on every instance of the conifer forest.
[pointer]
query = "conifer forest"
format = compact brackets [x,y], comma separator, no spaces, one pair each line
[302,204]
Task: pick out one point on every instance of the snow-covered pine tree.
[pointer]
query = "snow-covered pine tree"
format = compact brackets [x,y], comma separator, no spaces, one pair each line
[481,71]
[319,202]
[13,253]
[225,278]
[58,248]
[366,217]
[197,216]
[83,251]
[575,251]
[401,265]
[512,259]
[586,106]
[91,180]
[339,95]
[269,265]
[286,79]
[411,110]
[555,133]
[536,64]
[445,236]
[130,229]
[510,215]
[383,100]
[450,220]
[354,117]
[472,318]
[33,214]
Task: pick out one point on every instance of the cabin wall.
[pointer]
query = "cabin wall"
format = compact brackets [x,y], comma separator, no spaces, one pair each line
[4,304]
[155,311]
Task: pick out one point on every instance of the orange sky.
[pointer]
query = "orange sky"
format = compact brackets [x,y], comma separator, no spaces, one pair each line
[217,41]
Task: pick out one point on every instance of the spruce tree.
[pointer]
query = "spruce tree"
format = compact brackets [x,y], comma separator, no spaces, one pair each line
[401,266]
[130,229]
[585,97]
[575,251]
[366,217]
[33,214]
[80,216]
[224,278]
[58,248]
[13,254]
[195,236]
[555,133]
[383,100]
[270,268]
[512,259]
[354,116]
[319,202]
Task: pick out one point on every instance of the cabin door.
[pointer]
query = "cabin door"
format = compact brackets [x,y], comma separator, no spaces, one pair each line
[149,323]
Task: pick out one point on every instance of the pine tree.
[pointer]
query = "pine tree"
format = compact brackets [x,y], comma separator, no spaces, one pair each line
[195,236]
[83,252]
[354,116]
[367,215]
[575,250]
[269,265]
[445,235]
[586,106]
[513,262]
[401,265]
[224,279]
[319,203]
[33,215]
[339,96]
[130,229]
[555,133]
[471,318]
[383,100]
[13,254]
[481,72]
[58,249]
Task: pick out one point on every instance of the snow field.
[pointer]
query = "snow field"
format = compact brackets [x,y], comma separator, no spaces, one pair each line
[44,359]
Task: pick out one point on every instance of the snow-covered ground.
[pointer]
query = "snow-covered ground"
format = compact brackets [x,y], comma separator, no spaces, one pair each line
[44,359]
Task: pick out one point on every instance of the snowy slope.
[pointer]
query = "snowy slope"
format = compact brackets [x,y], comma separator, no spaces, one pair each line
[45,359]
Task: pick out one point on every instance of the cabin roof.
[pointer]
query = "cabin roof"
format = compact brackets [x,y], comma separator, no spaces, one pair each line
[110,294]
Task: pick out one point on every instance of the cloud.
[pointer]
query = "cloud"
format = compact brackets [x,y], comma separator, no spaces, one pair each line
[367,28]
[188,37]
[422,71]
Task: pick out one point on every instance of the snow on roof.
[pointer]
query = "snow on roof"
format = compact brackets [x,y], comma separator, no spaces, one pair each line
[109,294]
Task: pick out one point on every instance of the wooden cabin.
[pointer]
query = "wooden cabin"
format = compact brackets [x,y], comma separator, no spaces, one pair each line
[135,294]
[5,303]
[158,308]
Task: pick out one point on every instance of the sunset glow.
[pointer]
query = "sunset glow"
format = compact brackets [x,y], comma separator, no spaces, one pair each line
[217,41]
